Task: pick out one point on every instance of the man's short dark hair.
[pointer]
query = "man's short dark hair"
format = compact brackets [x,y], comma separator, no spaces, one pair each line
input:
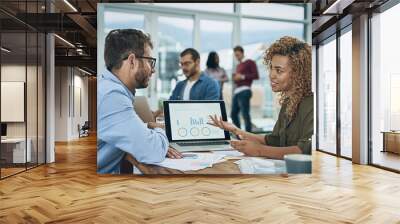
[191,51]
[122,42]
[238,48]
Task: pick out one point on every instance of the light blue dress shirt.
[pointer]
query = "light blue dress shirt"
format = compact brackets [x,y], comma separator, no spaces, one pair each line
[121,131]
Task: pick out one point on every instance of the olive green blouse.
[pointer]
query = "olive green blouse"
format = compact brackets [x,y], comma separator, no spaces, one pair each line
[298,131]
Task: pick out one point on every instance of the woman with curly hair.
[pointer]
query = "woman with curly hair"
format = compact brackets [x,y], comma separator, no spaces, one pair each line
[289,63]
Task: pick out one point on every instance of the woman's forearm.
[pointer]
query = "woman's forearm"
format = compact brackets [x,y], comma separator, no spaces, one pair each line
[278,152]
[250,136]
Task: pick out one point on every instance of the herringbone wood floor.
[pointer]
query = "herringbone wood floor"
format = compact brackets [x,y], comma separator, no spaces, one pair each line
[70,191]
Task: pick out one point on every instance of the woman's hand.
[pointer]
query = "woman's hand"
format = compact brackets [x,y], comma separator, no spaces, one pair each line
[249,148]
[218,122]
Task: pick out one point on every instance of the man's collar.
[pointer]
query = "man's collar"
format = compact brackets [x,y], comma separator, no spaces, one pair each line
[244,59]
[201,77]
[109,75]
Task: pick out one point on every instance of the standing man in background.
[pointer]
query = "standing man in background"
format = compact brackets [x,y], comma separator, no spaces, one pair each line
[197,85]
[246,72]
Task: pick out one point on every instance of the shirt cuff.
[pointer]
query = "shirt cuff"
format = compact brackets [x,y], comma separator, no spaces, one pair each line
[305,146]
[272,140]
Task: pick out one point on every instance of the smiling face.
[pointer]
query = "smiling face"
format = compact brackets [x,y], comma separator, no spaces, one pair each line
[280,74]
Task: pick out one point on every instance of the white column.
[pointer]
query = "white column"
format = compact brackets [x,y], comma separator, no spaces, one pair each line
[50,99]
[360,90]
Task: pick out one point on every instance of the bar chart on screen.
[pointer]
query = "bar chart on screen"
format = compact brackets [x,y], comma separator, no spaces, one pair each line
[192,122]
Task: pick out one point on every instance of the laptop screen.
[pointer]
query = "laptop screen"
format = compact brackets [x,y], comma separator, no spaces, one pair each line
[187,120]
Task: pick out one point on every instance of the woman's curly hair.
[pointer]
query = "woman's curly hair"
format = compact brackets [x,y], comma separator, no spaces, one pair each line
[299,54]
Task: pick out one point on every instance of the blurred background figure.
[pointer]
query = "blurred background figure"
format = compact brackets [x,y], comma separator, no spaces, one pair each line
[215,71]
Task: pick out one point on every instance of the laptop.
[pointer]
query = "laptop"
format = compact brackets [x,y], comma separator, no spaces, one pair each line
[187,129]
[142,109]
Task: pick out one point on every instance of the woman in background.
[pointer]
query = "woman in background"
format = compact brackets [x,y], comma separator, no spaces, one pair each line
[289,63]
[215,71]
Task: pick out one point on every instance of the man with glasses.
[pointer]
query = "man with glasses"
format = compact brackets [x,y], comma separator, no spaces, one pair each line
[197,85]
[120,130]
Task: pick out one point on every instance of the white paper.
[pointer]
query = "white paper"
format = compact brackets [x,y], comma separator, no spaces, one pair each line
[197,162]
[251,165]
[229,153]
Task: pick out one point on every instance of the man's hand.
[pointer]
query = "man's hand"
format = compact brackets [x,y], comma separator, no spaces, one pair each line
[237,77]
[153,125]
[247,147]
[158,113]
[174,154]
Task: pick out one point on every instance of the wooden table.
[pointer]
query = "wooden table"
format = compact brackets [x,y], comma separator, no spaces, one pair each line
[391,141]
[226,167]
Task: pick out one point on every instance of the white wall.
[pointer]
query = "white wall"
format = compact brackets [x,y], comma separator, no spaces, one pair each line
[70,84]
[33,126]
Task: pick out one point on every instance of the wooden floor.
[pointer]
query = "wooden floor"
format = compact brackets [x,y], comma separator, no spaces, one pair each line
[387,159]
[70,191]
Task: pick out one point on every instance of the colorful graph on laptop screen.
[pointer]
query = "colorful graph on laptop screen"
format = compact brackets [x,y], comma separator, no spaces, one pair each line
[189,121]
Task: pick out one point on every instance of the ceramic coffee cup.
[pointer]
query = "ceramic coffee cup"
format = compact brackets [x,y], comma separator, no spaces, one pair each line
[298,163]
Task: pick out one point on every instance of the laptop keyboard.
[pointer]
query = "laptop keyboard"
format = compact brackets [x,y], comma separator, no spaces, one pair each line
[202,143]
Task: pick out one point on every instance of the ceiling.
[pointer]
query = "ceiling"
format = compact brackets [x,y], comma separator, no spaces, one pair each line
[77,23]
[330,15]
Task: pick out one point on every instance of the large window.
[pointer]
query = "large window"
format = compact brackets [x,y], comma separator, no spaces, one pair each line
[346,94]
[216,36]
[327,96]
[217,7]
[274,10]
[174,35]
[385,87]
[122,20]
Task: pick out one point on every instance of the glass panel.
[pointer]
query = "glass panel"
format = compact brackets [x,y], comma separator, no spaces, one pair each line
[31,99]
[327,97]
[274,10]
[314,89]
[214,7]
[217,36]
[122,20]
[385,86]
[13,86]
[346,94]
[174,35]
[256,37]
[41,99]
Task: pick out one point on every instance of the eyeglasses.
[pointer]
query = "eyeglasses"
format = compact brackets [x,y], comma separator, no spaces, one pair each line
[151,60]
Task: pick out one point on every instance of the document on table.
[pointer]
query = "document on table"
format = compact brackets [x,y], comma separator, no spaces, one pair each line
[233,153]
[192,161]
[253,165]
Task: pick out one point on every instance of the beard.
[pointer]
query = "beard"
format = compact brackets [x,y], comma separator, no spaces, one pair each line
[189,73]
[141,78]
